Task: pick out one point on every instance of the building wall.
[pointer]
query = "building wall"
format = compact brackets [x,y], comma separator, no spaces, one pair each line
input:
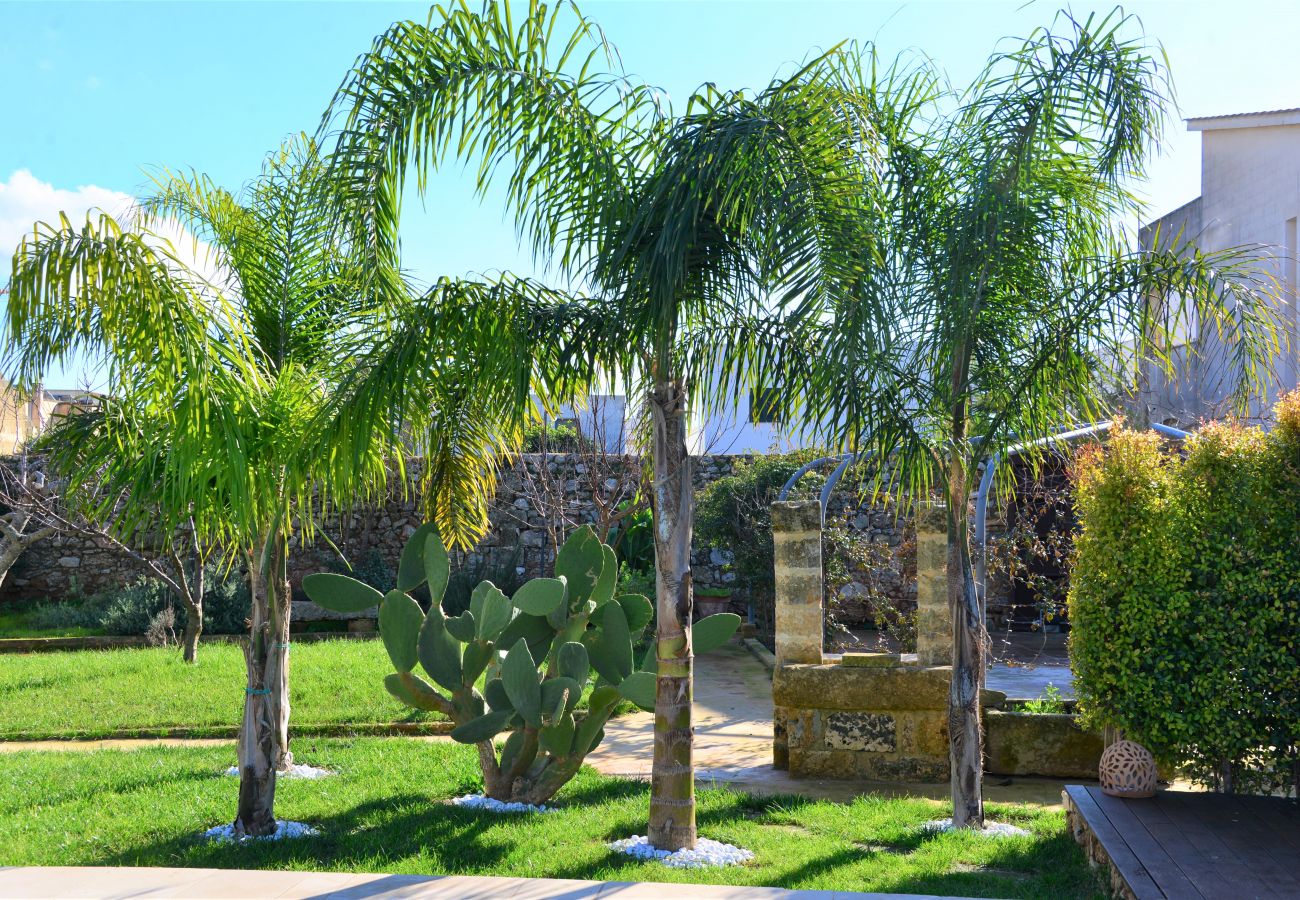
[1250,197]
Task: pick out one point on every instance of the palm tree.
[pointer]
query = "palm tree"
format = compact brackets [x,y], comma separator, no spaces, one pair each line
[689,237]
[215,373]
[1000,288]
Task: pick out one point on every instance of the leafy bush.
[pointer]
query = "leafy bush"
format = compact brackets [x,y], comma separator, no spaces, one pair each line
[633,540]
[544,437]
[371,569]
[1185,598]
[129,610]
[1050,702]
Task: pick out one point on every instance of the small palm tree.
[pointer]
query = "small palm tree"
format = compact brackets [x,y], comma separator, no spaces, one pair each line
[214,383]
[999,298]
[689,236]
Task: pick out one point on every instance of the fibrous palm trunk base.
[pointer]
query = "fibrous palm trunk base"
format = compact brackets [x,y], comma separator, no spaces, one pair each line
[965,729]
[672,780]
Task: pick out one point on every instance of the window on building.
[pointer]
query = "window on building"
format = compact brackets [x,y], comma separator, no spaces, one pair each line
[763,405]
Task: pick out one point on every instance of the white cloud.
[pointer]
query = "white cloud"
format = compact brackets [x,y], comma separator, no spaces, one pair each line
[25,200]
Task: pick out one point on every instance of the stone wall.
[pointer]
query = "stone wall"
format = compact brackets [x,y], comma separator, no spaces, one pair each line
[518,540]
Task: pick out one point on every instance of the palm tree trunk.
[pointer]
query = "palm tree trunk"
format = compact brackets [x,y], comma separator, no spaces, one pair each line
[193,597]
[193,629]
[672,779]
[278,679]
[965,730]
[263,745]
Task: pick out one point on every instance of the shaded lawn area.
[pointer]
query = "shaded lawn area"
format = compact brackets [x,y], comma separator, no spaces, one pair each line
[20,622]
[148,691]
[381,812]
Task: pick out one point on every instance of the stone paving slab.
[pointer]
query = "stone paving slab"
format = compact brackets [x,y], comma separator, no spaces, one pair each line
[105,883]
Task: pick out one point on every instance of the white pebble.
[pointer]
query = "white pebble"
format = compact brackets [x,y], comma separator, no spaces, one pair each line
[706,853]
[283,830]
[297,770]
[991,829]
[481,801]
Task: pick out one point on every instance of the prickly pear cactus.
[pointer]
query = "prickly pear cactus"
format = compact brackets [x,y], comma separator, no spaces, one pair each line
[516,668]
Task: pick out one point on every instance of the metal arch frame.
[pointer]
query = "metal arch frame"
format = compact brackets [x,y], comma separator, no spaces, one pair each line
[845,460]
[990,467]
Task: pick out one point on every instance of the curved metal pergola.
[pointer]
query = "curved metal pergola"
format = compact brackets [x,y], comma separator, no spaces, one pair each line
[989,467]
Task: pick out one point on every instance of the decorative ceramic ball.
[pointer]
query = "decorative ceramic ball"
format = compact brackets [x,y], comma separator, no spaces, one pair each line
[1127,769]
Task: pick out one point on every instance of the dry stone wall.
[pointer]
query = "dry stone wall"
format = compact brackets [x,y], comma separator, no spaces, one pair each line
[518,541]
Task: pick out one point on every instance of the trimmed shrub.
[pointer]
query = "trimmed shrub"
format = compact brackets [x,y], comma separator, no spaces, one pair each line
[130,609]
[1185,598]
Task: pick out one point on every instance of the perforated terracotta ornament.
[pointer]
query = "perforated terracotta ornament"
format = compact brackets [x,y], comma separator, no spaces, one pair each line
[1127,769]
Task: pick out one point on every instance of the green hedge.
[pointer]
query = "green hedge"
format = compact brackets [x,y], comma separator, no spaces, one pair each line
[1185,598]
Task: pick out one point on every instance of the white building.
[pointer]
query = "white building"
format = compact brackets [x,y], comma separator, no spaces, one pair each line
[1250,196]
[743,428]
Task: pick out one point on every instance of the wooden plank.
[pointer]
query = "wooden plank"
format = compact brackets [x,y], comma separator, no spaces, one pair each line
[1246,882]
[1175,838]
[1169,878]
[1282,816]
[1244,835]
[1121,857]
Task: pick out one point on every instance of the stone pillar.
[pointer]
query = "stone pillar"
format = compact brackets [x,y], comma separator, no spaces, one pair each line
[797,541]
[933,617]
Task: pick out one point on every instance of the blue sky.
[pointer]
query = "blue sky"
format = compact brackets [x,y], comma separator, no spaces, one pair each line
[95,92]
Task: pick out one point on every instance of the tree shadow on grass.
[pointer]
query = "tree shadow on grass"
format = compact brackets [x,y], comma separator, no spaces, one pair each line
[370,835]
[591,793]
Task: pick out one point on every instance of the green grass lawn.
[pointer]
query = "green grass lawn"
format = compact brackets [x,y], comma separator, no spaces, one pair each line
[101,693]
[381,812]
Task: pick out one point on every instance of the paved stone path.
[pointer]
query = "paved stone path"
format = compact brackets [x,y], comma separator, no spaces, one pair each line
[240,884]
[733,743]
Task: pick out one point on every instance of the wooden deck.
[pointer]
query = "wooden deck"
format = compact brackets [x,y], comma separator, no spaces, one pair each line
[1181,844]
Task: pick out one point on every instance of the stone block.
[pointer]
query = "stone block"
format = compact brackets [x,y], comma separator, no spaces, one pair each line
[1053,746]
[824,763]
[923,733]
[875,689]
[796,516]
[860,731]
[869,660]
[910,769]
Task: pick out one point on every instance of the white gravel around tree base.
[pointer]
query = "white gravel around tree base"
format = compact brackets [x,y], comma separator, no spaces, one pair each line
[283,831]
[297,770]
[484,802]
[991,829]
[707,853]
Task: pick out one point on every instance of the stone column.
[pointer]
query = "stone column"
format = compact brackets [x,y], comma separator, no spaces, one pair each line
[797,540]
[933,617]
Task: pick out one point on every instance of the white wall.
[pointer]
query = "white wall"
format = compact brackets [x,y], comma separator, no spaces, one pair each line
[1250,197]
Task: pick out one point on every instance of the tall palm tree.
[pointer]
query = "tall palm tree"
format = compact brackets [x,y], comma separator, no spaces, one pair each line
[215,373]
[1001,289]
[689,236]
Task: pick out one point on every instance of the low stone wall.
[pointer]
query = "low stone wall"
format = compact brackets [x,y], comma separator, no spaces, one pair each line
[890,723]
[881,723]
[1051,745]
